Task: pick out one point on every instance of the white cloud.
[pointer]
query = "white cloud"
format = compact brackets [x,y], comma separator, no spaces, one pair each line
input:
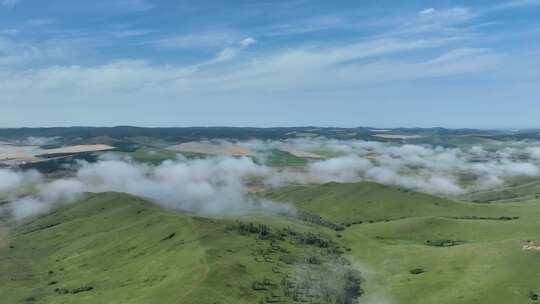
[212,186]
[63,190]
[127,33]
[39,141]
[450,15]
[426,168]
[226,54]
[447,22]
[427,11]
[230,52]
[313,24]
[18,54]
[462,61]
[337,66]
[198,40]
[316,68]
[217,185]
[11,180]
[232,46]
[247,42]
[28,206]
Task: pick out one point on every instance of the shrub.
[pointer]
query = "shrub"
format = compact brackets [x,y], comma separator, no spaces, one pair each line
[417,271]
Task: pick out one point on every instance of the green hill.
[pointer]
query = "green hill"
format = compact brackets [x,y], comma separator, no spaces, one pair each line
[115,248]
[366,202]
[419,248]
[516,190]
[409,248]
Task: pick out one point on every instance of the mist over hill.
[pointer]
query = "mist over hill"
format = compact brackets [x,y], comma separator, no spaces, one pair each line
[303,214]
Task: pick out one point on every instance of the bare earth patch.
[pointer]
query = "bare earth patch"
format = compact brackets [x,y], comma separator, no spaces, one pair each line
[530,246]
[11,154]
[397,136]
[3,237]
[78,149]
[304,154]
[255,189]
[212,149]
[237,151]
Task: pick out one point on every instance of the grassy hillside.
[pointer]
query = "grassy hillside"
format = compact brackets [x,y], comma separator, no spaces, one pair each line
[420,248]
[518,189]
[371,202]
[410,248]
[114,248]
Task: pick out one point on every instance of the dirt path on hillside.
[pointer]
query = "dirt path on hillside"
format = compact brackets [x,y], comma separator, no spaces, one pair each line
[3,237]
[199,282]
[205,269]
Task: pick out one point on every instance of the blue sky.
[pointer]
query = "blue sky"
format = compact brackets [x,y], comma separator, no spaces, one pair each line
[270,63]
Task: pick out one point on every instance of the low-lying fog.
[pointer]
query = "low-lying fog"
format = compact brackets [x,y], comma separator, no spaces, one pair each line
[218,184]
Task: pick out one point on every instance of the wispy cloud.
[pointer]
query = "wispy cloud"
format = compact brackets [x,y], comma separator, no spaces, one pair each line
[17,55]
[247,41]
[228,53]
[427,11]
[218,185]
[516,4]
[126,33]
[447,16]
[41,21]
[289,70]
[231,45]
[436,22]
[198,40]
[302,52]
[310,25]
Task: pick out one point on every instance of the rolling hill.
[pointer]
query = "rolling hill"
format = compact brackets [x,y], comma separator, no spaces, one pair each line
[116,248]
[389,245]
[419,248]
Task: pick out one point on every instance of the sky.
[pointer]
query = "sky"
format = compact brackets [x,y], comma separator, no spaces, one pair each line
[270,63]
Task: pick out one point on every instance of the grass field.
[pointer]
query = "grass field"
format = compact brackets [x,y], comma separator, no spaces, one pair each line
[114,248]
[457,252]
[409,247]
[151,155]
[516,190]
[156,156]
[279,158]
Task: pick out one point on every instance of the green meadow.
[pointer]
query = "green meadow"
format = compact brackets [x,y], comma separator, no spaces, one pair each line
[418,248]
[115,248]
[391,245]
